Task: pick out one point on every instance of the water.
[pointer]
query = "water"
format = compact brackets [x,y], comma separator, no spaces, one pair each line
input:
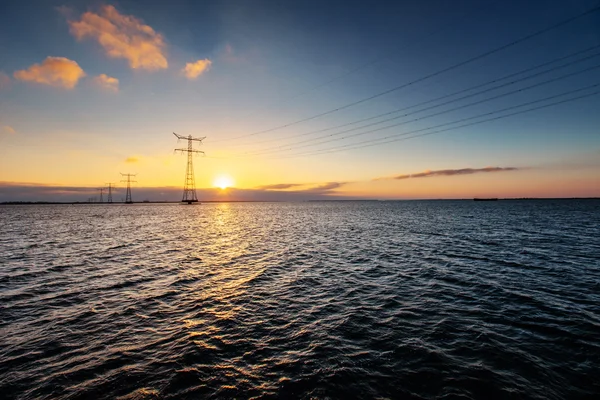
[420,299]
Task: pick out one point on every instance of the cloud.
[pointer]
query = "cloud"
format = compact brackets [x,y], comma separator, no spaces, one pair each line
[280,186]
[131,160]
[195,69]
[326,187]
[54,71]
[4,80]
[107,82]
[451,172]
[13,191]
[123,36]
[321,188]
[8,129]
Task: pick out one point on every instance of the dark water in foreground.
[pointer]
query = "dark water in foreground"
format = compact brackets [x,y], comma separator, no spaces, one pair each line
[436,299]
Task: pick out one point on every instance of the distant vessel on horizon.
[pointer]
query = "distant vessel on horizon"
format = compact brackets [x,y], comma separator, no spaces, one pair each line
[486,199]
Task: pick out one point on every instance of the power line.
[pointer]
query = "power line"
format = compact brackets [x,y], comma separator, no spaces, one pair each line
[400,136]
[452,94]
[429,76]
[313,143]
[496,118]
[355,69]
[393,138]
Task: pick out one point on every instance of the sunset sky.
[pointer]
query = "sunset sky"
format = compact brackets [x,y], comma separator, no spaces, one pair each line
[280,89]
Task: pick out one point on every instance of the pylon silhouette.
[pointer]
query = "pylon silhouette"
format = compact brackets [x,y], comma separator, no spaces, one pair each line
[129,181]
[189,186]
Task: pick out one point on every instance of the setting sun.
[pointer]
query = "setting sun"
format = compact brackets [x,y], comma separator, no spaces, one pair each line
[223,181]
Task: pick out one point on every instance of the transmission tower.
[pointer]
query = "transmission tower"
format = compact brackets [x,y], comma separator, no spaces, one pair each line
[189,187]
[110,188]
[101,190]
[129,181]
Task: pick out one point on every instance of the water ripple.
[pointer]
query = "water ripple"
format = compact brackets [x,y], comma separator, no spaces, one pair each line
[424,300]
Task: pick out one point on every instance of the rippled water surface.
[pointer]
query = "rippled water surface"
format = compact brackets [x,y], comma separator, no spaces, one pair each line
[414,299]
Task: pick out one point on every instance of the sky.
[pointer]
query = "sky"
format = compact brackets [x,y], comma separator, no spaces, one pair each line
[300,100]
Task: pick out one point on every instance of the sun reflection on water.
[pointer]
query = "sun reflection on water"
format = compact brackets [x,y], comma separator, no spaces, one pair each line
[221,266]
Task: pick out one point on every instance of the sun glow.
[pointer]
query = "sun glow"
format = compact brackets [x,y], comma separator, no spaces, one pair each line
[223,181]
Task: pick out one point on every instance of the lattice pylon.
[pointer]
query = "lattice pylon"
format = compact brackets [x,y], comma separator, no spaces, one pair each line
[189,185]
[129,181]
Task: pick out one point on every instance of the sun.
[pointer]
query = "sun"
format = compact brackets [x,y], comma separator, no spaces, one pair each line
[223,181]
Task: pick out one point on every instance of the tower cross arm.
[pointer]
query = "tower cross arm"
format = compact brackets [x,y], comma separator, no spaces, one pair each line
[189,137]
[190,151]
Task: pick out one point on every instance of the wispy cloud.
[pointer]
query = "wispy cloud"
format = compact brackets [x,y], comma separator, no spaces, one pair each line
[451,172]
[306,188]
[8,129]
[195,69]
[132,160]
[325,187]
[107,82]
[4,80]
[281,186]
[123,36]
[53,71]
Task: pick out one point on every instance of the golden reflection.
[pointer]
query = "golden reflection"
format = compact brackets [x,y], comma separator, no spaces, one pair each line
[224,207]
[223,215]
[222,270]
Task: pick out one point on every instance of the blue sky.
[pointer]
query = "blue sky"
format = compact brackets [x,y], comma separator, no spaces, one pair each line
[267,64]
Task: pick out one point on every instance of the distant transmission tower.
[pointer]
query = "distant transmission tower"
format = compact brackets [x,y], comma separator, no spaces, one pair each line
[101,190]
[129,181]
[189,187]
[110,188]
